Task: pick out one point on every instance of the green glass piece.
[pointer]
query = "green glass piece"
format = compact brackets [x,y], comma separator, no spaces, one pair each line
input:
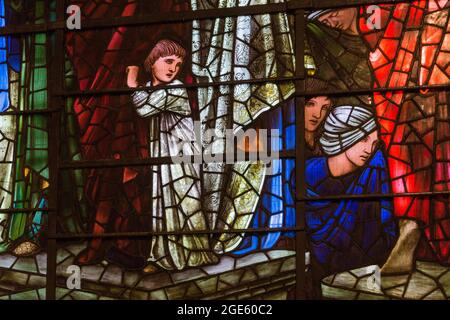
[32,141]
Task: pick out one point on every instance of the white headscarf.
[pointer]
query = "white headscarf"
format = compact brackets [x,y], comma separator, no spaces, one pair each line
[344,127]
[316,14]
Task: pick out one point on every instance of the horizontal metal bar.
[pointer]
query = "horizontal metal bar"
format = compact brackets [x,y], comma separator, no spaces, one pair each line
[137,20]
[287,154]
[333,4]
[25,210]
[113,163]
[306,93]
[189,15]
[24,29]
[168,233]
[126,90]
[120,91]
[369,91]
[374,196]
[29,112]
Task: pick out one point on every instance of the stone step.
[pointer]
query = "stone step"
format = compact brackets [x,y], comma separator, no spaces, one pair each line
[429,281]
[22,277]
[260,275]
[248,276]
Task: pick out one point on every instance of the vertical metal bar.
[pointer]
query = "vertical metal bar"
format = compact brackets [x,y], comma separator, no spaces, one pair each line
[55,60]
[300,154]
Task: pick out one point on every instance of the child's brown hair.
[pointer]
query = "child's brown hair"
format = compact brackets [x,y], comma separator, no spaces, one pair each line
[164,48]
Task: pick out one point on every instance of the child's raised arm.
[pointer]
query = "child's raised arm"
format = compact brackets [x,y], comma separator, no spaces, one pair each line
[132,76]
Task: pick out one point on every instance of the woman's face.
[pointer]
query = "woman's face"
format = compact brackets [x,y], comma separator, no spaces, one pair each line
[316,109]
[343,19]
[361,152]
[165,69]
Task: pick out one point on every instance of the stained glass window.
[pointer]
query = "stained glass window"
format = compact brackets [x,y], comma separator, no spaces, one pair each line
[266,149]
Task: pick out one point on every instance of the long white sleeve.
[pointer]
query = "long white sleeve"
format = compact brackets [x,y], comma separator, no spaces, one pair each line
[173,100]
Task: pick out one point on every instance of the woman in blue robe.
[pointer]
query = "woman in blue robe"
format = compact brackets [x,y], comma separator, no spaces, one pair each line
[346,233]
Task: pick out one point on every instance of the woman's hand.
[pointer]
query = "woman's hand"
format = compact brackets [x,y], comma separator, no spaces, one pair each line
[132,76]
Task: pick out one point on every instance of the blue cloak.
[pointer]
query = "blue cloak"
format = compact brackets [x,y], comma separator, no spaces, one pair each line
[349,233]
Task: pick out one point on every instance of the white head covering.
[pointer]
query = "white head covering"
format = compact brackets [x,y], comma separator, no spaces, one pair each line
[316,14]
[344,127]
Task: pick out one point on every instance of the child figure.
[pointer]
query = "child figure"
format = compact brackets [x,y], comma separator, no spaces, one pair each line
[175,187]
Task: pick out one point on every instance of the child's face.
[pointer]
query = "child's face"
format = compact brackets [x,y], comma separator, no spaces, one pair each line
[165,69]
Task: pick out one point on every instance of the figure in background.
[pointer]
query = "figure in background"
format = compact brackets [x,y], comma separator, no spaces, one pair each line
[348,233]
[316,111]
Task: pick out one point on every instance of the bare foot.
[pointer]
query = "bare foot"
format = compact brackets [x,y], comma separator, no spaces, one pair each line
[151,268]
[26,249]
[401,259]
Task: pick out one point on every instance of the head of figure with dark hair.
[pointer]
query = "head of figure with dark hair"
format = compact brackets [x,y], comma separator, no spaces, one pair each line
[165,61]
[316,110]
[349,139]
[345,19]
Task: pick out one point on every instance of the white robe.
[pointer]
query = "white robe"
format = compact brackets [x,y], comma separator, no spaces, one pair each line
[176,190]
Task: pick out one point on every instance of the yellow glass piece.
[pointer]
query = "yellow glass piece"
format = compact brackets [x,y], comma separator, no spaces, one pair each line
[310,65]
[45,184]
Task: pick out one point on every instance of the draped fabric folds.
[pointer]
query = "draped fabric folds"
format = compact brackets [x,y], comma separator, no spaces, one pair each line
[349,233]
[412,49]
[237,48]
[277,204]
